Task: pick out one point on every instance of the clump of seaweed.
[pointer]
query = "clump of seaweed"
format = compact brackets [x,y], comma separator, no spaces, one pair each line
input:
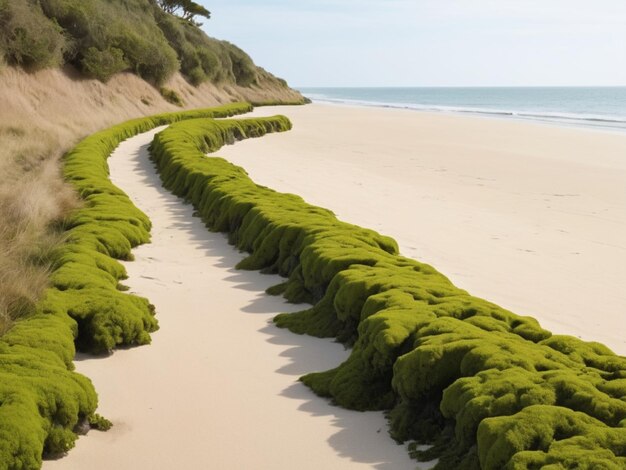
[488,388]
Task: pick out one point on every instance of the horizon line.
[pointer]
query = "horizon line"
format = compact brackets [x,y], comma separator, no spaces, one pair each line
[458,86]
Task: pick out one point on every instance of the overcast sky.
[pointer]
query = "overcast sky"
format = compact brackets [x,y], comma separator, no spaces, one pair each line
[429,42]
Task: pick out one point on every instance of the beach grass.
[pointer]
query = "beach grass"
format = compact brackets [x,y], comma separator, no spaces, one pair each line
[485,387]
[32,198]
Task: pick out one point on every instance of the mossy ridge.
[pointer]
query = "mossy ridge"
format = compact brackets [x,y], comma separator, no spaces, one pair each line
[492,389]
[84,280]
[41,399]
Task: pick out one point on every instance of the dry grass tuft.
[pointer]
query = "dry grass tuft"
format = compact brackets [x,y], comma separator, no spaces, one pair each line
[33,199]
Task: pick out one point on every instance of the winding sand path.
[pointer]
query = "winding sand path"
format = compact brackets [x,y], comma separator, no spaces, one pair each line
[218,388]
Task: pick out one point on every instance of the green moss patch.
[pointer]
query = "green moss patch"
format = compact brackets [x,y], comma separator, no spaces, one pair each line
[488,388]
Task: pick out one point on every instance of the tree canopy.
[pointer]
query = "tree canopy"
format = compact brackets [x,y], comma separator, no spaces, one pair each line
[188,9]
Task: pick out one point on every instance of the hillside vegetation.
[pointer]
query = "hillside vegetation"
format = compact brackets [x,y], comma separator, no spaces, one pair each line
[104,37]
[71,67]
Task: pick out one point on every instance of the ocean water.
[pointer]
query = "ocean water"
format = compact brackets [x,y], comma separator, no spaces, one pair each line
[598,107]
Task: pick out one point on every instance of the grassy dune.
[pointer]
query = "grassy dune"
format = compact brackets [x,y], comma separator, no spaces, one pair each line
[43,402]
[488,388]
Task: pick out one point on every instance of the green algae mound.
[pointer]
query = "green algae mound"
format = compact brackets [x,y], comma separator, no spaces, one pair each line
[488,388]
[85,281]
[42,400]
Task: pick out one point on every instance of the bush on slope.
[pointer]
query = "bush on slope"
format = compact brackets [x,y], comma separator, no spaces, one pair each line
[490,388]
[203,58]
[104,37]
[28,38]
[41,399]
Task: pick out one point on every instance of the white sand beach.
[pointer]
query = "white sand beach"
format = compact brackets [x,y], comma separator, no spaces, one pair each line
[529,216]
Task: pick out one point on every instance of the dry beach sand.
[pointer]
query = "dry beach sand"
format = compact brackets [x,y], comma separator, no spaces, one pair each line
[529,216]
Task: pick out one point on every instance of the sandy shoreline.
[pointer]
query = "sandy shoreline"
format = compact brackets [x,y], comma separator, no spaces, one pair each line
[529,216]
[514,212]
[218,386]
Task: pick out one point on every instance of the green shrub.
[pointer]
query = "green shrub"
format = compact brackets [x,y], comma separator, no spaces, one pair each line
[103,64]
[188,42]
[171,96]
[79,20]
[209,62]
[27,37]
[243,68]
[489,388]
[196,76]
[103,37]
[109,27]
[153,61]
[206,59]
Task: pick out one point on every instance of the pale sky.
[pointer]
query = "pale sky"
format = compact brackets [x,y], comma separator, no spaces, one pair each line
[429,42]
